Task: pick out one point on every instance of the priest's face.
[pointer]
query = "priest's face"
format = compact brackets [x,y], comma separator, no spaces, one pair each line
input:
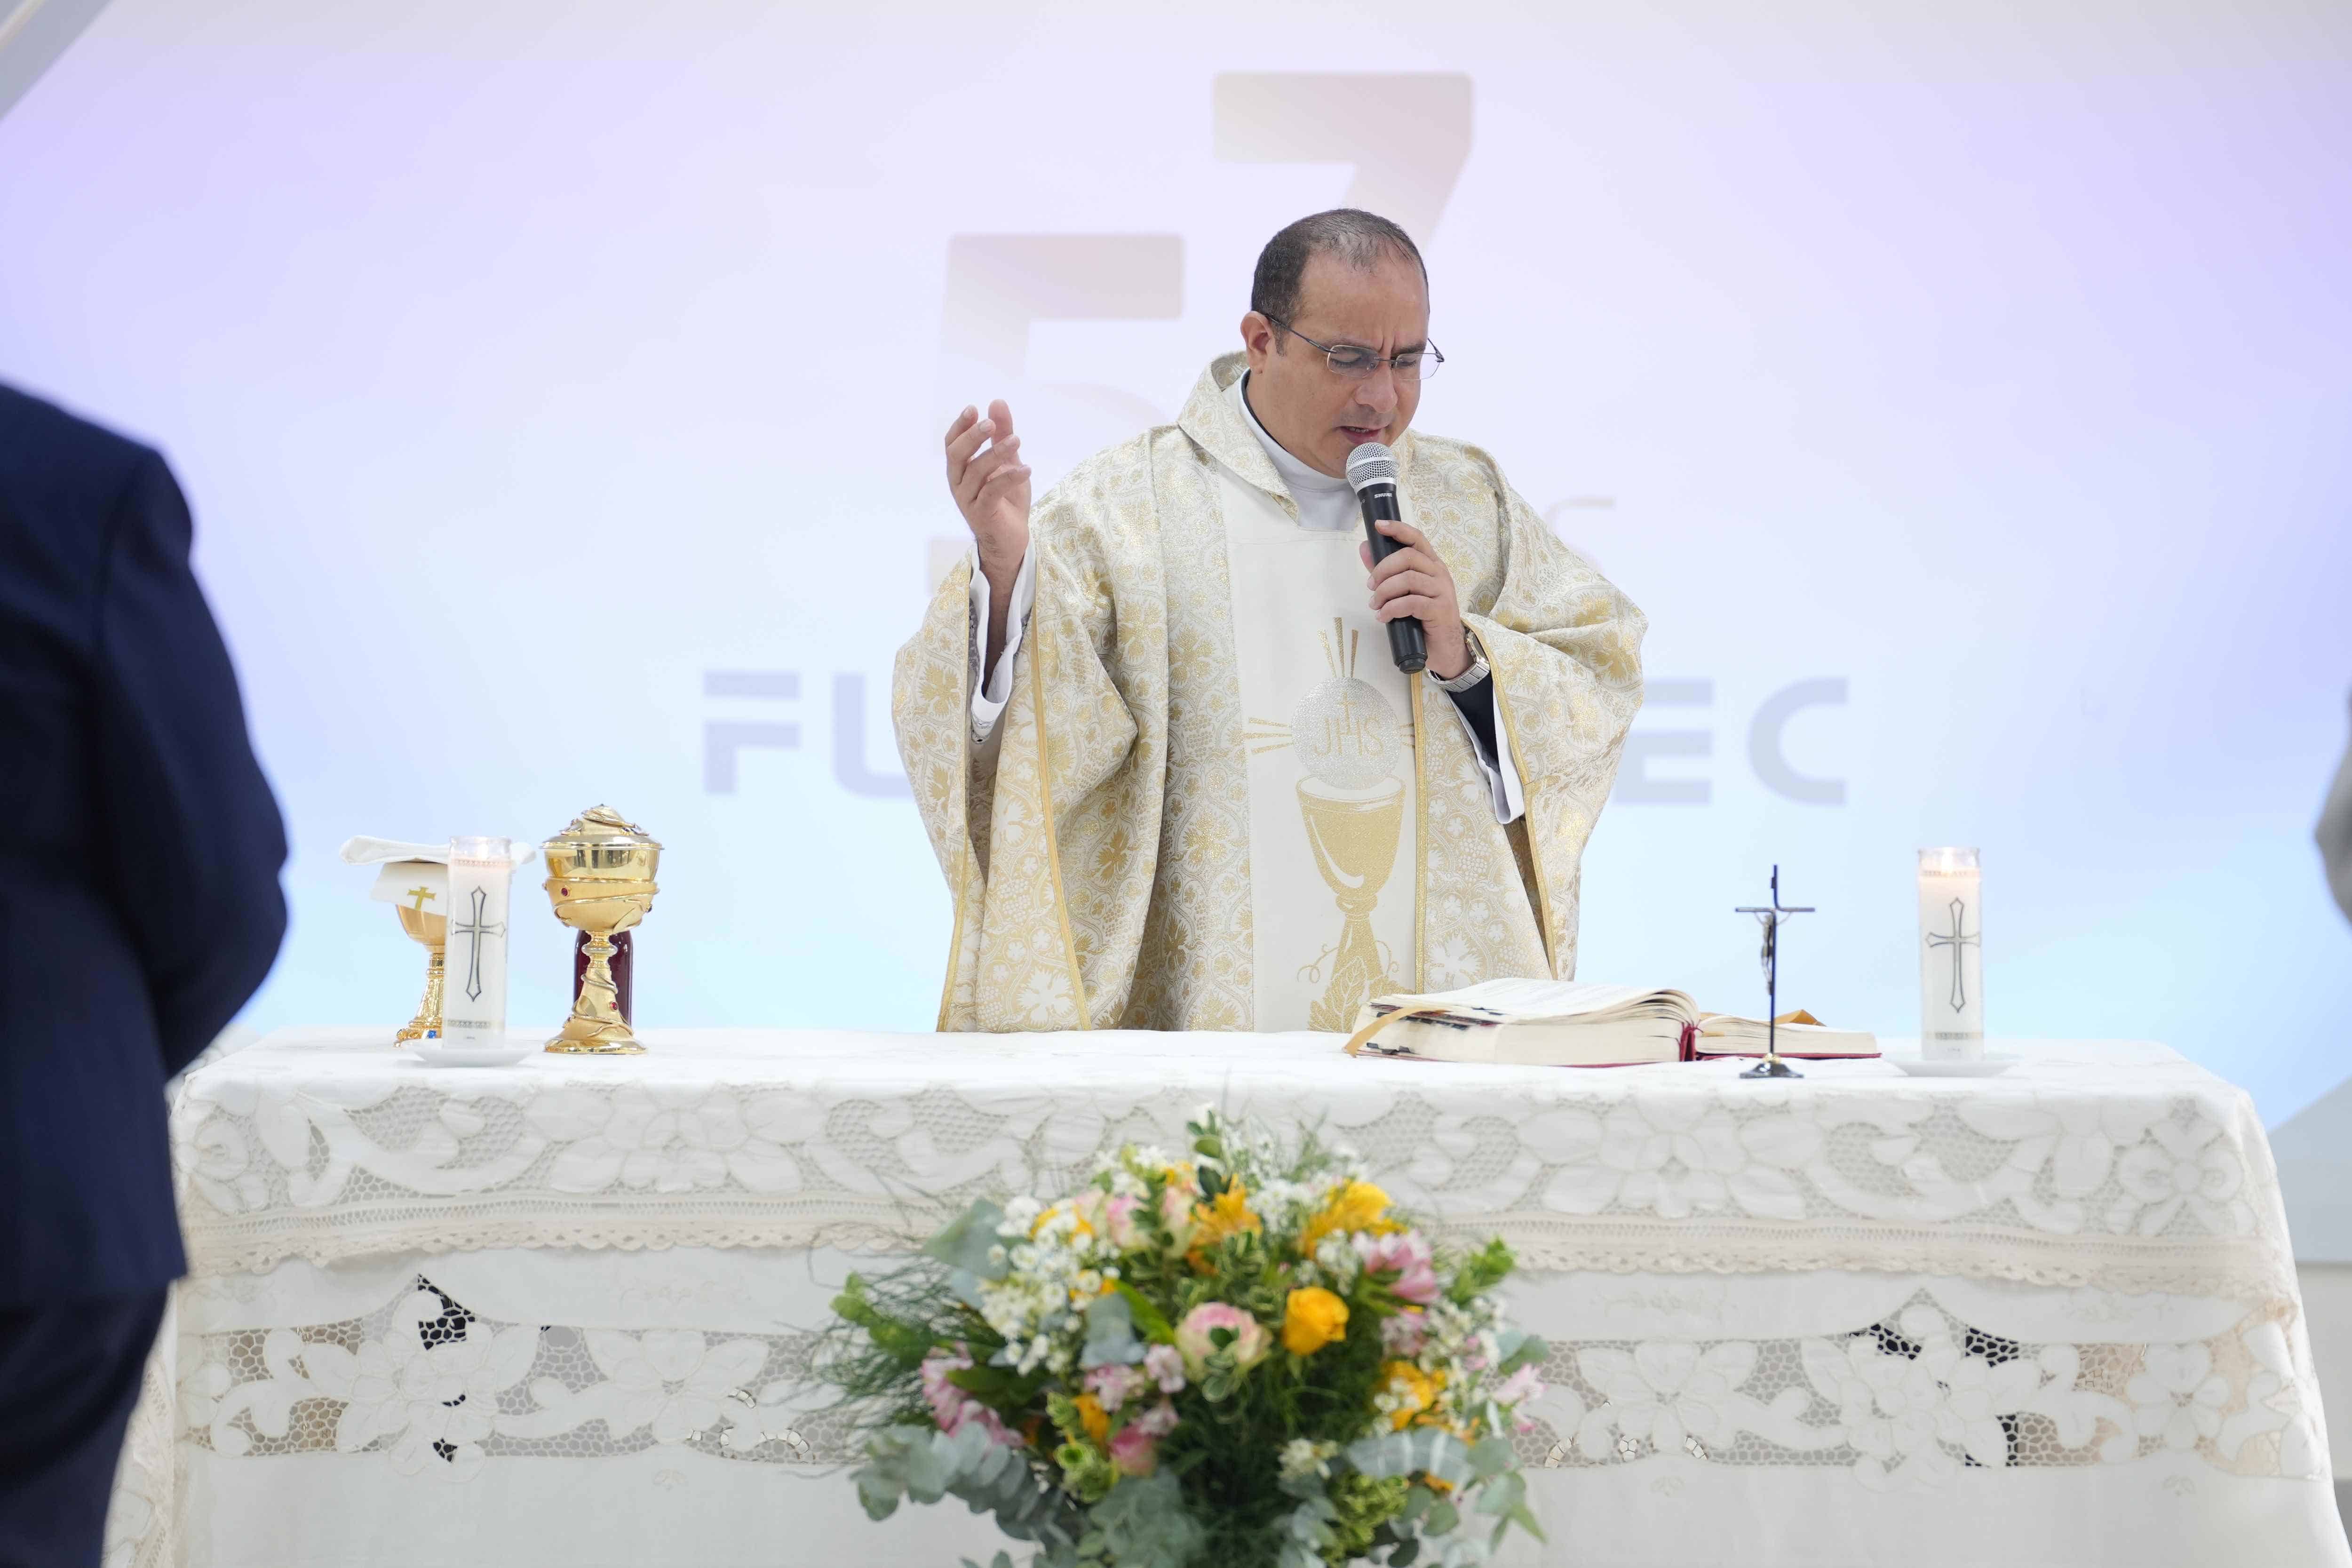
[1319,415]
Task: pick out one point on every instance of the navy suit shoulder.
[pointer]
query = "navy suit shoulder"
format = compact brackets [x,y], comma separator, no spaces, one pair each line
[142,853]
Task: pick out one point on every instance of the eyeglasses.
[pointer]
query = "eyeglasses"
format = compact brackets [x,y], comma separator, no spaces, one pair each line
[1352,363]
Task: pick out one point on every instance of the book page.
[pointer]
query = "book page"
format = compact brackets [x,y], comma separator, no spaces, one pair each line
[1518,998]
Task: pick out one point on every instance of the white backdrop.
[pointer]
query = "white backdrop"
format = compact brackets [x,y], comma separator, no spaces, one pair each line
[559,385]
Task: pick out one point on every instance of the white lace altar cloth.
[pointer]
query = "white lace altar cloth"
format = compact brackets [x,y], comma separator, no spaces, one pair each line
[562,1313]
[2120,1167]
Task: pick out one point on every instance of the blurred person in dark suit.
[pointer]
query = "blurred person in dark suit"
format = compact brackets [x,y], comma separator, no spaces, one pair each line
[140,849]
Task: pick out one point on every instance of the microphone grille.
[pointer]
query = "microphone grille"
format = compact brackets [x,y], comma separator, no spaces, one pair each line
[1371,464]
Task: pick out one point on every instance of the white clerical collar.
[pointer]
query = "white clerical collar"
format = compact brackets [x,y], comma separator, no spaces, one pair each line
[1304,482]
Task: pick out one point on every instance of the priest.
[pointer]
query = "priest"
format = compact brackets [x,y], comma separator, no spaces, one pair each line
[1170,770]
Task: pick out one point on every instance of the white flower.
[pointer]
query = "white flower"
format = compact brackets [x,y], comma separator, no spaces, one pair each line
[670,1379]
[1665,1390]
[2176,1396]
[1303,1457]
[2192,1167]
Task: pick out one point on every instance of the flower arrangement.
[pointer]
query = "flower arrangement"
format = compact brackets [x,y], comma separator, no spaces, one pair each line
[1245,1357]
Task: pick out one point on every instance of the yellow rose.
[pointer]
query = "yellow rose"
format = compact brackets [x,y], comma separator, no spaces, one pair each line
[1354,1207]
[1097,1420]
[1312,1319]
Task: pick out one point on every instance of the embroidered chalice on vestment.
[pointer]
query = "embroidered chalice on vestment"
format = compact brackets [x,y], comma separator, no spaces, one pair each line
[1352,745]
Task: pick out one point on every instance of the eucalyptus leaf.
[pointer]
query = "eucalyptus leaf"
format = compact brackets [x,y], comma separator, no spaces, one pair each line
[1521,1349]
[1422,1448]
[967,1241]
[1492,1457]
[925,1465]
[1111,1334]
[1146,1525]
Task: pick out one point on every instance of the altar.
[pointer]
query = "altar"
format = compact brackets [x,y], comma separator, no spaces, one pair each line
[561,1313]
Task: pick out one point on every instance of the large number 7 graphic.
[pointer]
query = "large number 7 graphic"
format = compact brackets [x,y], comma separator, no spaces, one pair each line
[1408,135]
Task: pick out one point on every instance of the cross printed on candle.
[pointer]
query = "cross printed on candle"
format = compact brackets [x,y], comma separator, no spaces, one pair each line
[1956,939]
[477,930]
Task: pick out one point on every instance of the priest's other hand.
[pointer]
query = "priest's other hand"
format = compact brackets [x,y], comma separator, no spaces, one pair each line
[992,490]
[1413,582]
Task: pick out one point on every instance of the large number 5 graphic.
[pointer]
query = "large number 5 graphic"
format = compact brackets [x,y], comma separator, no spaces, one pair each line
[1408,135]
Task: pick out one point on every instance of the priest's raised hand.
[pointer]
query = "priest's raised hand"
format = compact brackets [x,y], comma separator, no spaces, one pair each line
[992,490]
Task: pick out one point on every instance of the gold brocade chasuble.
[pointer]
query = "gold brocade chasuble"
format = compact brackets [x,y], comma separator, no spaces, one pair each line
[1106,873]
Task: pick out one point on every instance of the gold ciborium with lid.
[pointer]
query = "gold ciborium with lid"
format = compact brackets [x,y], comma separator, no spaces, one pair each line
[600,877]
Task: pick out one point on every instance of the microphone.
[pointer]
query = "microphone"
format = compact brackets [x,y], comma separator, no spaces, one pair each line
[1372,470]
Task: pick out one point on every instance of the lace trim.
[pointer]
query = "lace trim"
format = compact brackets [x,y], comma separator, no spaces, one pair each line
[2068,1186]
[2237,1268]
[426,1385]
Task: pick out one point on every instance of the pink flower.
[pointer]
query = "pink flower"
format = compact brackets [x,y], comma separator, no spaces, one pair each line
[1176,1215]
[1164,1364]
[1405,1254]
[1134,1451]
[1405,1333]
[1114,1386]
[1159,1421]
[1248,1344]
[951,1407]
[1112,1220]
[1519,1387]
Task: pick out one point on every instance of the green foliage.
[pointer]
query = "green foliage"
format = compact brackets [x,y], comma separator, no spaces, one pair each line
[925,1466]
[1147,1319]
[1142,1524]
[1480,1271]
[1362,1505]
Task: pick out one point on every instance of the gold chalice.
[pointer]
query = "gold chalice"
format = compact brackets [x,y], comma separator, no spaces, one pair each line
[600,877]
[432,930]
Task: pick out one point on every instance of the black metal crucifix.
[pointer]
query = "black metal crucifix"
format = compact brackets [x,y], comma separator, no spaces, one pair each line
[1771,916]
[477,930]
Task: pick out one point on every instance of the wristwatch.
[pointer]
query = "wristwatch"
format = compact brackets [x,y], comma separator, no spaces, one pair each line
[1468,677]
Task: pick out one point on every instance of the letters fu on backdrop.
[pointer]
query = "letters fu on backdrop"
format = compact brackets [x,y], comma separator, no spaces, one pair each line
[1172,770]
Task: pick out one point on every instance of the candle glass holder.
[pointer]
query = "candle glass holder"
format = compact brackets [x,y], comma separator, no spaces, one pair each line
[1952,955]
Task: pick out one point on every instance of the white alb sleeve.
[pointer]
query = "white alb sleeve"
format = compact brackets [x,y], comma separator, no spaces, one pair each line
[990,696]
[1502,774]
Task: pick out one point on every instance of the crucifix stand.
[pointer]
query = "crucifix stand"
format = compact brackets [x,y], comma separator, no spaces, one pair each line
[1770,917]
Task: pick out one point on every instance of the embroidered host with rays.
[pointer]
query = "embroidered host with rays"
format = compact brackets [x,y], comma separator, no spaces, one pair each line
[1171,771]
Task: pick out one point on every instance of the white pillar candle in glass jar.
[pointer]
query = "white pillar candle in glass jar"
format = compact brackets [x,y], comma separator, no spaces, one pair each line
[474,989]
[1952,955]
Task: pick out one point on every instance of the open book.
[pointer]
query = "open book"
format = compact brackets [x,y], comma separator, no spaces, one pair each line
[1566,1023]
[1802,1036]
[1531,1023]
